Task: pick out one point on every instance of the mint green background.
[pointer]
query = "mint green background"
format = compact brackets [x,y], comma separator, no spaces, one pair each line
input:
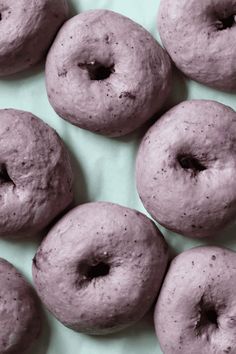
[104,170]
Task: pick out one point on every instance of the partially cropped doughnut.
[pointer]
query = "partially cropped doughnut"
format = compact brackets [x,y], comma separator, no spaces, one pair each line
[35,174]
[106,73]
[20,320]
[196,308]
[200,37]
[100,268]
[27,30]
[186,167]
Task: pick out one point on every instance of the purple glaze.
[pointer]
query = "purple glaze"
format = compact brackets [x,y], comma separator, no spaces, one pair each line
[35,173]
[106,73]
[100,268]
[200,37]
[27,30]
[19,316]
[186,166]
[196,308]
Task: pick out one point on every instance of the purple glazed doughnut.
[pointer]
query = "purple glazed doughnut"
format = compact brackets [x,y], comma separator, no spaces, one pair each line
[196,308]
[100,268]
[199,35]
[27,30]
[35,174]
[186,167]
[107,74]
[20,320]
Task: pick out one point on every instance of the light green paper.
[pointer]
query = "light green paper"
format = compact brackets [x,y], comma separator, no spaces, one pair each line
[104,170]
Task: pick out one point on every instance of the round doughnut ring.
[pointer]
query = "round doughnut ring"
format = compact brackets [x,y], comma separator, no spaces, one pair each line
[186,167]
[20,321]
[106,73]
[196,308]
[100,268]
[27,30]
[200,37]
[35,174]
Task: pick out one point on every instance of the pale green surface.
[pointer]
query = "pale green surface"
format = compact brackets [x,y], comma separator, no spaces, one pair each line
[104,170]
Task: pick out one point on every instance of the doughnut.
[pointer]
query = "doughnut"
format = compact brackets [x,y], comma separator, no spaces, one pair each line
[100,267]
[35,174]
[196,309]
[27,30]
[186,167]
[199,36]
[107,74]
[20,321]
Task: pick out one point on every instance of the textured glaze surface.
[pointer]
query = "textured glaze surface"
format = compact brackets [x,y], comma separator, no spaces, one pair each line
[200,37]
[27,30]
[107,166]
[106,73]
[196,309]
[196,200]
[121,239]
[35,173]
[19,315]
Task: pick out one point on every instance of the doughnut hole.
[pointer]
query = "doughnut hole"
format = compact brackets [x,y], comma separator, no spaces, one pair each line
[99,270]
[5,12]
[97,71]
[93,270]
[225,23]
[208,317]
[189,162]
[4,176]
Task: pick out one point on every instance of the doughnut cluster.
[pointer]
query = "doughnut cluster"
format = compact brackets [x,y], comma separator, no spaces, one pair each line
[102,266]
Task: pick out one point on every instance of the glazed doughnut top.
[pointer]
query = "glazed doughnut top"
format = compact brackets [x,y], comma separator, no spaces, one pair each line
[27,30]
[186,168]
[35,173]
[20,321]
[107,74]
[100,267]
[196,308]
[200,37]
